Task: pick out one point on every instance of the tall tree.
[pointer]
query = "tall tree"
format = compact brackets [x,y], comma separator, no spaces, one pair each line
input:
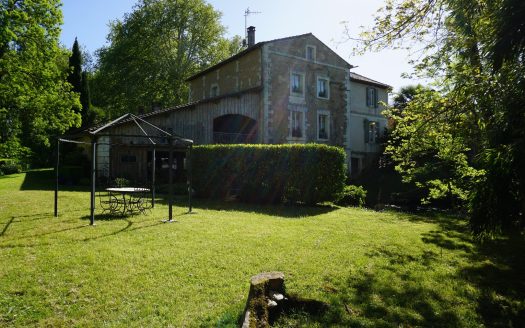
[85,100]
[75,64]
[153,50]
[471,130]
[35,99]
[79,80]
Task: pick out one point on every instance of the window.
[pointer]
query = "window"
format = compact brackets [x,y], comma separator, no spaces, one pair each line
[371,131]
[323,125]
[296,124]
[310,53]
[214,90]
[371,97]
[297,84]
[323,89]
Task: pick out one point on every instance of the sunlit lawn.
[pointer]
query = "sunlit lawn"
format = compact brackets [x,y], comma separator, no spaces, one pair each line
[373,269]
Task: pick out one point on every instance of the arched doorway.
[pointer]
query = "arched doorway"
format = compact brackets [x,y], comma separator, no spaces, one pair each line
[234,128]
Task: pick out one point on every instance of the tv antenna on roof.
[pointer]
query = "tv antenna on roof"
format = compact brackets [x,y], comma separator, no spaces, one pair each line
[247,13]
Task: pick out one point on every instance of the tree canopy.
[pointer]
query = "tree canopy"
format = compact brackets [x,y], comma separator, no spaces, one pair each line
[36,101]
[466,137]
[153,50]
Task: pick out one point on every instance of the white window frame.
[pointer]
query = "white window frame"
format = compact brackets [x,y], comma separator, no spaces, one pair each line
[319,78]
[212,86]
[301,80]
[326,113]
[314,52]
[301,114]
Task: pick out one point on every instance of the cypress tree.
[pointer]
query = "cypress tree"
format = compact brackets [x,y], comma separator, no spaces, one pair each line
[85,100]
[75,63]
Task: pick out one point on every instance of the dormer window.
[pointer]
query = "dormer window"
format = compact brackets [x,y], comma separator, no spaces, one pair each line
[310,53]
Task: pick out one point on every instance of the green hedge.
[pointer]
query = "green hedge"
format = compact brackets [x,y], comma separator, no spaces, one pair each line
[309,173]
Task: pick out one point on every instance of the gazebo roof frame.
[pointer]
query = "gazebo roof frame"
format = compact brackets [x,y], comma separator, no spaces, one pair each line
[97,132]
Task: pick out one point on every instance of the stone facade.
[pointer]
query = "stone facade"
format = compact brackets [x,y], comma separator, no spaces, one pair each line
[287,59]
[290,90]
[239,73]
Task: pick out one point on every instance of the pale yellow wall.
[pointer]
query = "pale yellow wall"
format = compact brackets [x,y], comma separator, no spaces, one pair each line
[237,75]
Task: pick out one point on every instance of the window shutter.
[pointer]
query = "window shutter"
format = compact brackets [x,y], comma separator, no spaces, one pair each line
[366,128]
[367,95]
[375,98]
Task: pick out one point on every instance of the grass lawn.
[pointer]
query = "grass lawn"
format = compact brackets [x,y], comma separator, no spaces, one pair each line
[373,269]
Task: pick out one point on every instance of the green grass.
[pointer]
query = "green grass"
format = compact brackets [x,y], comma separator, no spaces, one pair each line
[373,269]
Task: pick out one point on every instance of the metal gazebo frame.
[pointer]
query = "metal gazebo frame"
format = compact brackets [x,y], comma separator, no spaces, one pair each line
[173,140]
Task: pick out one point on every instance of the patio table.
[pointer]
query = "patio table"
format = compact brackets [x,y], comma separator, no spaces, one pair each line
[132,198]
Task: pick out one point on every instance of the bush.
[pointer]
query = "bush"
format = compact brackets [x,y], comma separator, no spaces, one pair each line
[353,196]
[10,166]
[121,182]
[310,173]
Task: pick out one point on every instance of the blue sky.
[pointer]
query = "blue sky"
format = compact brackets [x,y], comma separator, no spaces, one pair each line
[88,20]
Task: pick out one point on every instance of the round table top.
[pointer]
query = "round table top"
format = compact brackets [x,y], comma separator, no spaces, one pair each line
[127,189]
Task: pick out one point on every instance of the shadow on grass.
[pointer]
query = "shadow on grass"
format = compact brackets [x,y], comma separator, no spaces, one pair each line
[499,273]
[45,180]
[496,267]
[6,226]
[292,211]
[294,312]
[32,236]
[394,292]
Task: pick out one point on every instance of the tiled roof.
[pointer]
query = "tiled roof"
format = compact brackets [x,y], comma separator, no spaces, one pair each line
[363,79]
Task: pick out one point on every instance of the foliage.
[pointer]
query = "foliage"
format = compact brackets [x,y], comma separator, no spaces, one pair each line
[36,101]
[10,166]
[374,269]
[153,50]
[463,140]
[405,95]
[121,182]
[429,147]
[352,196]
[270,173]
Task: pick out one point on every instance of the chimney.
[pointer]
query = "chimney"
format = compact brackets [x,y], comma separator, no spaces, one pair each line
[251,36]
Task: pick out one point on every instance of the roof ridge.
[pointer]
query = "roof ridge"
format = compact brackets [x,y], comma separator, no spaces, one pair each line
[362,78]
[242,53]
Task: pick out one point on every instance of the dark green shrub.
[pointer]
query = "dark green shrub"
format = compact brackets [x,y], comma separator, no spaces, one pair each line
[10,166]
[121,182]
[310,173]
[352,196]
